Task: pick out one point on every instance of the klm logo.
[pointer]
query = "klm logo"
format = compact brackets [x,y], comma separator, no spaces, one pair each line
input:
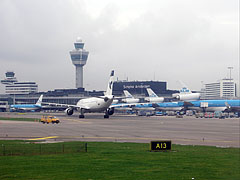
[184,90]
[153,95]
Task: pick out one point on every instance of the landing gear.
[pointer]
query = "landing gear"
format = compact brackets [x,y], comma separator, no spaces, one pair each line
[106,116]
[81,116]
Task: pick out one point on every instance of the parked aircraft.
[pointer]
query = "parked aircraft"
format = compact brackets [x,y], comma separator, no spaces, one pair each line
[92,104]
[129,98]
[201,106]
[115,101]
[142,107]
[168,106]
[232,108]
[213,105]
[153,97]
[27,107]
[133,107]
[186,94]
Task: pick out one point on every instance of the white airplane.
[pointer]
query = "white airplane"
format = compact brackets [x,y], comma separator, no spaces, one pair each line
[115,101]
[129,98]
[93,104]
[186,94]
[153,97]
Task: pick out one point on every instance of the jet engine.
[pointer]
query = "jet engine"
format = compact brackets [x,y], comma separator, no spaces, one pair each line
[154,99]
[110,111]
[187,97]
[130,100]
[69,111]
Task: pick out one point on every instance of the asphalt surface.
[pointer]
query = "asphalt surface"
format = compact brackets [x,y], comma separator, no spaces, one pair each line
[125,128]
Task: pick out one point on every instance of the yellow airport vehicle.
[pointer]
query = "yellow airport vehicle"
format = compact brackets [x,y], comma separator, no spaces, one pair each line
[49,119]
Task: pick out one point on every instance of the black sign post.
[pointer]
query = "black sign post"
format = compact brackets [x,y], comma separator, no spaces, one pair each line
[160,145]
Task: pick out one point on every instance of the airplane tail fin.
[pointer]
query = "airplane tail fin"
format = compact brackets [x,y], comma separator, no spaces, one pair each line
[39,102]
[184,89]
[110,84]
[151,93]
[127,94]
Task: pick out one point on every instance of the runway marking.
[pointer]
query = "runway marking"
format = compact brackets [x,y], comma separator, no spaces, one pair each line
[86,122]
[175,141]
[50,137]
[150,139]
[82,122]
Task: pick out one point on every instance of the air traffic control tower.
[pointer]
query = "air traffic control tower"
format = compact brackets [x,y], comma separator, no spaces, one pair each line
[79,58]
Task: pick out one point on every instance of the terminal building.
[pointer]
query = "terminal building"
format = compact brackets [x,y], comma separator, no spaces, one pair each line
[22,88]
[138,88]
[12,86]
[72,96]
[223,89]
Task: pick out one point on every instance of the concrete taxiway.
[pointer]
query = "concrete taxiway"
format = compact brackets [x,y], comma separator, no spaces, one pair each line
[126,128]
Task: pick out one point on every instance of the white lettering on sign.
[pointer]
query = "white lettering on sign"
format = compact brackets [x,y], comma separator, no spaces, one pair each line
[136,86]
[142,86]
[128,87]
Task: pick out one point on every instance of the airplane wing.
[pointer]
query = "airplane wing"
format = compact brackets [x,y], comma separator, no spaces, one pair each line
[61,105]
[186,104]
[67,105]
[130,105]
[120,105]
[232,109]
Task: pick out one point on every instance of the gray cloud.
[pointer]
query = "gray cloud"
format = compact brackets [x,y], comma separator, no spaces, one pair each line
[192,41]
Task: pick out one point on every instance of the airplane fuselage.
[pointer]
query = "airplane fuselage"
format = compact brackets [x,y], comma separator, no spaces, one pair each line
[25,107]
[95,104]
[130,100]
[169,106]
[154,99]
[212,105]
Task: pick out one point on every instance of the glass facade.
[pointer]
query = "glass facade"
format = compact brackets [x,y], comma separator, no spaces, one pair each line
[226,88]
[10,74]
[10,79]
[21,88]
[81,56]
[79,45]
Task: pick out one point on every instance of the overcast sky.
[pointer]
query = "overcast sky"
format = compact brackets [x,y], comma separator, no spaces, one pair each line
[167,40]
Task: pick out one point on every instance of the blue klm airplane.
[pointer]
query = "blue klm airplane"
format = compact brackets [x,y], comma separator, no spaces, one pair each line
[27,107]
[213,105]
[201,105]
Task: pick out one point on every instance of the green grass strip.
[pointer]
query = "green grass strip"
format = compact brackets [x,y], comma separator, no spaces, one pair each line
[19,119]
[108,160]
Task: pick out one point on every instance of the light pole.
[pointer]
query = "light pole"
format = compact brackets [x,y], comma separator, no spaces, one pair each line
[230,68]
[231,90]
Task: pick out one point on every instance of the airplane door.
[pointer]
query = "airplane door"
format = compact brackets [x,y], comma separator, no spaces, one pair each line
[204,104]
